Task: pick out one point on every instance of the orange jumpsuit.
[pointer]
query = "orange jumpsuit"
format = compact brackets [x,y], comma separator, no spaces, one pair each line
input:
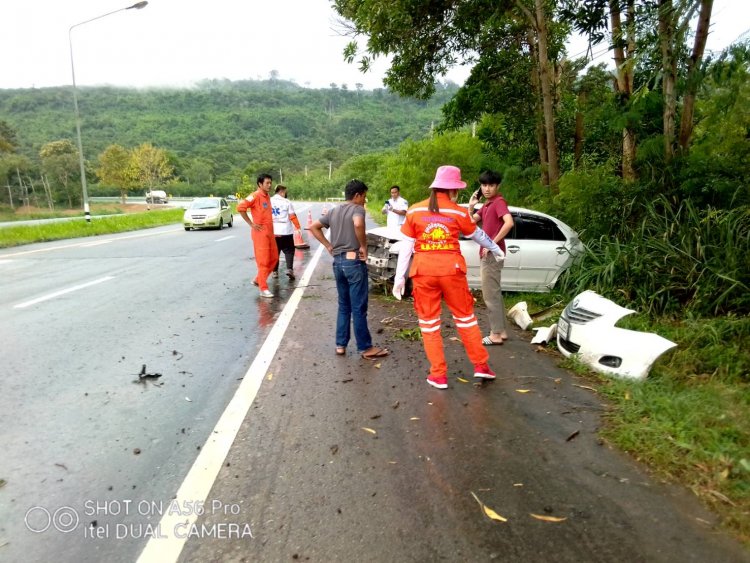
[438,270]
[264,241]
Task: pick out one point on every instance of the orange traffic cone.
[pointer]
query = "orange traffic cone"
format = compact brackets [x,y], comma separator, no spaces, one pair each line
[309,220]
[299,242]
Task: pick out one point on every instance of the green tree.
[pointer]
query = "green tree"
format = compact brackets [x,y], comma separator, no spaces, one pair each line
[149,166]
[61,165]
[113,169]
[469,30]
[200,171]
[8,138]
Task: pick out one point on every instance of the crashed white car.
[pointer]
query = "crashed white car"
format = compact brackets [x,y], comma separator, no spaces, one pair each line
[587,328]
[538,250]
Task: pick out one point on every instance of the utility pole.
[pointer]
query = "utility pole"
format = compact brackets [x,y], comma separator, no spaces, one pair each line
[281,177]
[10,195]
[330,168]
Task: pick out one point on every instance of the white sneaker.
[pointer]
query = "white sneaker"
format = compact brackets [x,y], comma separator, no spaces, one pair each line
[266,293]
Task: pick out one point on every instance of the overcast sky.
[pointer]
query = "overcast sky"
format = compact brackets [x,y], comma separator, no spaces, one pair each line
[179,42]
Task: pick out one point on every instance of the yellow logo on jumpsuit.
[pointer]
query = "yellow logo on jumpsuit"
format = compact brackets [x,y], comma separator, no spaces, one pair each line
[435,237]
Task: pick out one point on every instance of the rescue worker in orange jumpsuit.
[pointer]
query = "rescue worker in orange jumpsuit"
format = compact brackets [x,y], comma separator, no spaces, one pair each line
[438,271]
[261,229]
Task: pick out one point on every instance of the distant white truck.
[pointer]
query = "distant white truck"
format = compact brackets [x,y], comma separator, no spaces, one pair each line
[156,196]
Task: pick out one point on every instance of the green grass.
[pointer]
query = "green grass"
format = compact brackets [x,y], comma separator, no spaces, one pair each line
[27,234]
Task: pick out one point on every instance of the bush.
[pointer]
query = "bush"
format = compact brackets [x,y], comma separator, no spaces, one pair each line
[677,260]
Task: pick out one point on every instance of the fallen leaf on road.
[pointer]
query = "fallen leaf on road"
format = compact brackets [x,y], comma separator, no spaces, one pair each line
[573,435]
[488,511]
[188,399]
[522,390]
[393,462]
[394,405]
[270,376]
[414,418]
[462,380]
[547,518]
[627,395]
[558,380]
[370,430]
[378,366]
[518,484]
[454,338]
[584,387]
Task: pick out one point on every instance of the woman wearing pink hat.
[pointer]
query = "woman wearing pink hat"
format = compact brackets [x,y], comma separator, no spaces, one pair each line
[438,272]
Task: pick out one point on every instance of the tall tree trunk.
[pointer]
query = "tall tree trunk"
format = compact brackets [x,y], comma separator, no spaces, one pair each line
[539,115]
[578,140]
[688,104]
[669,74]
[624,74]
[547,100]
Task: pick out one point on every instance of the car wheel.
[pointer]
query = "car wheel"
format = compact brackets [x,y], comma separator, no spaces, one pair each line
[187,228]
[221,224]
[231,222]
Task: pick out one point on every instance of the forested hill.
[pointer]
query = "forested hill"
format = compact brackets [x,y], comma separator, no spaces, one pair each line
[227,123]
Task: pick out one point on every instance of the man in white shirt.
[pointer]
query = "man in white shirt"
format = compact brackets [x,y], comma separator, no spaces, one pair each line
[395,208]
[283,220]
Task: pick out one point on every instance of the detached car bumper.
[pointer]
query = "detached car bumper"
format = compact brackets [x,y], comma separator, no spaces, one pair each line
[587,328]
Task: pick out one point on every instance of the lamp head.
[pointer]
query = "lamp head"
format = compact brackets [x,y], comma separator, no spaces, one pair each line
[137,6]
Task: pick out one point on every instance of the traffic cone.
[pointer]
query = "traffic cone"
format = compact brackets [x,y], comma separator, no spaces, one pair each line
[299,242]
[309,220]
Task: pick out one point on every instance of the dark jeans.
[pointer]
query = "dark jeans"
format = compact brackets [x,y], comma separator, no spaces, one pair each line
[285,244]
[352,288]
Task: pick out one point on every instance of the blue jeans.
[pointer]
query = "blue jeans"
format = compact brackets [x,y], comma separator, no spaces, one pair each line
[352,288]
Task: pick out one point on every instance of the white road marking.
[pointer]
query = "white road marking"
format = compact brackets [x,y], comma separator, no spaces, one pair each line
[225,238]
[62,292]
[98,243]
[202,474]
[88,243]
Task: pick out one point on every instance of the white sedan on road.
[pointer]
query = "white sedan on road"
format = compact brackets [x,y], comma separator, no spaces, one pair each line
[538,250]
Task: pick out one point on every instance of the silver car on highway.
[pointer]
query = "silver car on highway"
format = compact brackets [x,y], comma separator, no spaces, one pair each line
[207,213]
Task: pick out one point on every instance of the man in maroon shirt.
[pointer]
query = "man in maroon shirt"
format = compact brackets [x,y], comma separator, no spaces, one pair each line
[497,222]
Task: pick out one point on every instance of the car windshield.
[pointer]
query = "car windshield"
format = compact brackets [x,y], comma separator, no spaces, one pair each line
[205,204]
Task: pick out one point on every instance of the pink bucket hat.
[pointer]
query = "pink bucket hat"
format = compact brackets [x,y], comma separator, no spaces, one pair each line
[448,178]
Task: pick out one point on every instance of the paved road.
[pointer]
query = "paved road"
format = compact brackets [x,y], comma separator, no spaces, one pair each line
[78,320]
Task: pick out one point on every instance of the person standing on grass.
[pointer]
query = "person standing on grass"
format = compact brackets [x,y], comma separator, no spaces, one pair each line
[348,246]
[497,222]
[261,229]
[395,209]
[438,271]
[285,224]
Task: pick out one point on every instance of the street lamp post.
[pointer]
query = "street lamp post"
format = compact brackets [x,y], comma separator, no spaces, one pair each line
[86,209]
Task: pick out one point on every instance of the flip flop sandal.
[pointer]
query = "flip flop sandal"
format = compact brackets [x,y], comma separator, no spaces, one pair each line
[340,351]
[375,354]
[487,341]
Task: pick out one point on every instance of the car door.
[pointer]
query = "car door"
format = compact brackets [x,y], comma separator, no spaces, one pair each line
[539,246]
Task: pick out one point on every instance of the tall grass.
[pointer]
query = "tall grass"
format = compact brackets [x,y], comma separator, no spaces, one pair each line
[26,234]
[678,259]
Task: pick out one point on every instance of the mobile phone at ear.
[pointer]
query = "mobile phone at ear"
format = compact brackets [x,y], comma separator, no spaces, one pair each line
[478,194]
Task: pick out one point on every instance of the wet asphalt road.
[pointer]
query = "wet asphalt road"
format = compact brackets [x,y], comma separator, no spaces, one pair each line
[78,435]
